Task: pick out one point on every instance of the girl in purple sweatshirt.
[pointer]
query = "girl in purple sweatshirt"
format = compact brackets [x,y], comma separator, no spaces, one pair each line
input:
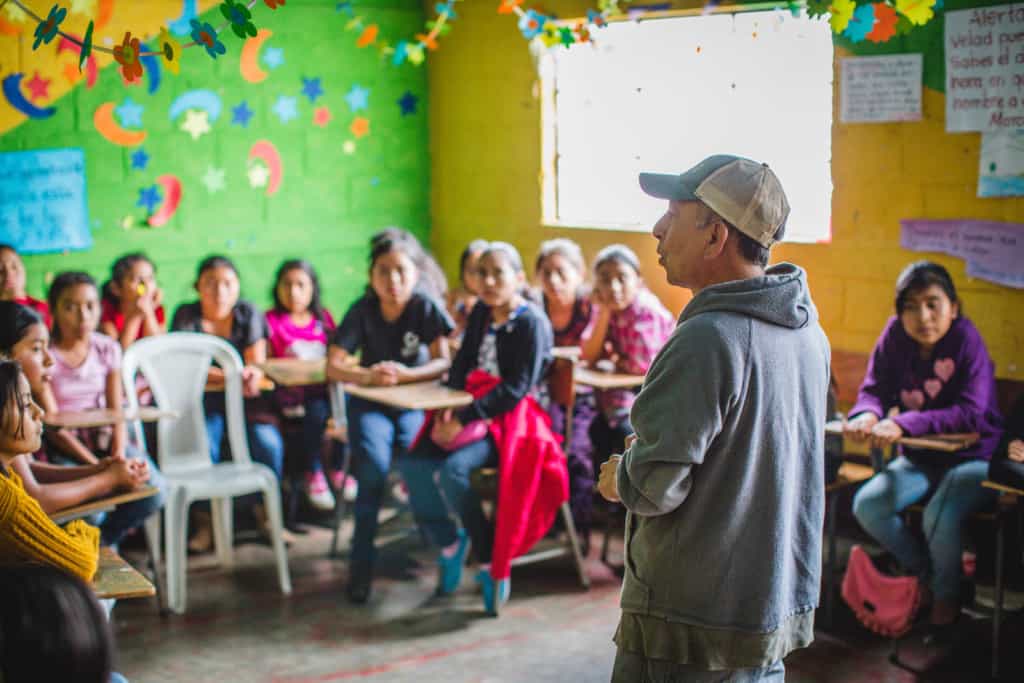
[931,365]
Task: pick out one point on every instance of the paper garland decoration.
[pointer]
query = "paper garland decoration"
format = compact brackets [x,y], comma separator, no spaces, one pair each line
[411,51]
[534,24]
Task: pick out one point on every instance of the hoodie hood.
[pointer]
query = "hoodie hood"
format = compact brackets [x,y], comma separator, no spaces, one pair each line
[779,297]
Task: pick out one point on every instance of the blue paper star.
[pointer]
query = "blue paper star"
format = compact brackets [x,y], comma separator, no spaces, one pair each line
[149,197]
[129,114]
[311,88]
[273,57]
[357,97]
[241,114]
[285,108]
[374,181]
[407,103]
[140,159]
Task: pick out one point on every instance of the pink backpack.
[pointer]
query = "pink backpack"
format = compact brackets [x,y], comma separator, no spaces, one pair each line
[885,604]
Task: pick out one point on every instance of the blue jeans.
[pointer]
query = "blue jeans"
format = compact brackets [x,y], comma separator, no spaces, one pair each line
[314,422]
[958,493]
[434,506]
[376,433]
[265,443]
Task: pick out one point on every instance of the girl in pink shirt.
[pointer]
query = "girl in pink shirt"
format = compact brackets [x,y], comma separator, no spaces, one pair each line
[299,327]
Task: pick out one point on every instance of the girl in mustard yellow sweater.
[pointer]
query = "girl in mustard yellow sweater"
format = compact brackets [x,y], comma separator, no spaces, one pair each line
[26,533]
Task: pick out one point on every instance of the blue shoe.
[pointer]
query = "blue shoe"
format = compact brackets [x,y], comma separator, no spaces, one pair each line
[451,567]
[490,588]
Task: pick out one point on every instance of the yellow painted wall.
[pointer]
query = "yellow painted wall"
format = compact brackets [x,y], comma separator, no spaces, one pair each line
[485,149]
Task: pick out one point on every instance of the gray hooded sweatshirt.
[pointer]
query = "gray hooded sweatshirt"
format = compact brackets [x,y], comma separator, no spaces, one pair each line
[724,483]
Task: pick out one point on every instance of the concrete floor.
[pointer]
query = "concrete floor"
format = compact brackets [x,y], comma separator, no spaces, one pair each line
[240,628]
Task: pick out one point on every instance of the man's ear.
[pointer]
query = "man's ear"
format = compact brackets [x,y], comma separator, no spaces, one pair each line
[716,236]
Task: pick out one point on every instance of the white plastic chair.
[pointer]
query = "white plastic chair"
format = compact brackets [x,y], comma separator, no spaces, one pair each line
[175,366]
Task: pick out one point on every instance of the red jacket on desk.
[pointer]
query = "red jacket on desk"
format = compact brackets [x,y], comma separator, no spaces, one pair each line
[533,480]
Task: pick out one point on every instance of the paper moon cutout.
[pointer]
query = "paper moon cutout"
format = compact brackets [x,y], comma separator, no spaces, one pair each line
[172,197]
[12,91]
[152,65]
[249,62]
[103,119]
[265,150]
[181,26]
[197,99]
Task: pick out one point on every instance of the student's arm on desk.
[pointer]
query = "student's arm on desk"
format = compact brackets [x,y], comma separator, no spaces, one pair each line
[675,417]
[56,487]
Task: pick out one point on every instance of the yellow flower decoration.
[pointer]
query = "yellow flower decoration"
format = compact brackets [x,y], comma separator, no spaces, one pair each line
[842,12]
[917,11]
[170,50]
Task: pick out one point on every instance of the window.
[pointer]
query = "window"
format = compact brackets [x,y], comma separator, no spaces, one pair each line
[661,94]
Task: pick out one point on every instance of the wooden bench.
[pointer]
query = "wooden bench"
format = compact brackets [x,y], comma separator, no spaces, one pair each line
[116,579]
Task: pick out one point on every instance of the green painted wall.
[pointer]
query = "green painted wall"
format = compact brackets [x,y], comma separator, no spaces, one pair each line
[329,201]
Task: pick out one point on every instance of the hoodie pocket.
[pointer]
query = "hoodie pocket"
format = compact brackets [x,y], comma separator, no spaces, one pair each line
[636,594]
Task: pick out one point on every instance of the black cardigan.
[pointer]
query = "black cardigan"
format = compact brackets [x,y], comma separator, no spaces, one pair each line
[524,352]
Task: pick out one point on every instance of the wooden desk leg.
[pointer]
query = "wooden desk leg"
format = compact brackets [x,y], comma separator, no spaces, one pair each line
[997,613]
[830,570]
[339,502]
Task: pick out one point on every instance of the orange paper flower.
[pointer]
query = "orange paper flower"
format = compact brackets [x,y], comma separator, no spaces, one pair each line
[127,55]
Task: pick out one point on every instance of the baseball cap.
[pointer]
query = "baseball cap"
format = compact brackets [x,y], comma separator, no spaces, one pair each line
[744,192]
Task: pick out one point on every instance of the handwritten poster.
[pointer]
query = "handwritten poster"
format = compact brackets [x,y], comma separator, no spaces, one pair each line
[985,68]
[1001,164]
[993,251]
[42,200]
[876,89]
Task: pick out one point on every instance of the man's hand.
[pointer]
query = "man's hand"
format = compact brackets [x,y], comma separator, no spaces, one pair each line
[607,485]
[1016,450]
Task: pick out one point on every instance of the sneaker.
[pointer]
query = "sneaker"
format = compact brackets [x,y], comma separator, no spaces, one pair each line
[495,593]
[400,492]
[318,492]
[359,588]
[348,486]
[451,567]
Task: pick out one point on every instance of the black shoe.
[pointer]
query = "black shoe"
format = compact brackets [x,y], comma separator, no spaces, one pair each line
[359,587]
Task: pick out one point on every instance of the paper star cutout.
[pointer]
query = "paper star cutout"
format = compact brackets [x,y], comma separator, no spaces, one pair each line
[84,7]
[38,88]
[285,108]
[374,181]
[273,57]
[357,98]
[311,88]
[149,197]
[407,103]
[129,113]
[258,175]
[360,127]
[241,114]
[349,147]
[128,222]
[140,159]
[196,123]
[322,116]
[343,7]
[213,179]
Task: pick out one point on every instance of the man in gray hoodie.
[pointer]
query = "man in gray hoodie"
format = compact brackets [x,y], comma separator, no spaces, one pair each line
[723,481]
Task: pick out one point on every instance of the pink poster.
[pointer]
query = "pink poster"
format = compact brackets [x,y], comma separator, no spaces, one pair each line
[993,251]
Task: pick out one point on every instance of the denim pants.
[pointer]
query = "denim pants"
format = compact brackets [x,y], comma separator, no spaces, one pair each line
[265,443]
[377,433]
[314,422]
[433,506]
[635,668]
[958,493]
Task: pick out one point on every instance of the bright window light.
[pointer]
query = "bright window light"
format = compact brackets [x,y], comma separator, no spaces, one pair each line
[660,95]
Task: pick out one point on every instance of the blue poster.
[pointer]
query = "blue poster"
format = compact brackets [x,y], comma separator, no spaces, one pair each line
[42,200]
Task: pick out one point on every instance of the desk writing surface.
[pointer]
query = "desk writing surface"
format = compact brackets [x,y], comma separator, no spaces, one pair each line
[101,417]
[947,443]
[572,353]
[1003,488]
[296,372]
[607,380]
[102,504]
[117,579]
[415,396]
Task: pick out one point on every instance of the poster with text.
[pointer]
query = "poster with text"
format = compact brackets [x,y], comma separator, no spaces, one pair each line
[1001,165]
[985,68]
[879,89]
[42,200]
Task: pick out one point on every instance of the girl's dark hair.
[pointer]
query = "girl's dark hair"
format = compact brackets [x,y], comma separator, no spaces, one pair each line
[617,252]
[15,320]
[119,271]
[315,306]
[474,247]
[510,253]
[60,284]
[432,281]
[921,275]
[51,627]
[8,247]
[9,373]
[215,261]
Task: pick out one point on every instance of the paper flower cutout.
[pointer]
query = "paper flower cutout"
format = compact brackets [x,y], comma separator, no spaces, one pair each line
[531,24]
[86,50]
[582,32]
[213,179]
[445,8]
[817,8]
[47,30]
[861,24]
[197,123]
[565,36]
[360,127]
[842,13]
[205,35]
[414,53]
[508,6]
[140,159]
[274,4]
[917,11]
[127,55]
[170,51]
[594,17]
[549,36]
[885,23]
[240,18]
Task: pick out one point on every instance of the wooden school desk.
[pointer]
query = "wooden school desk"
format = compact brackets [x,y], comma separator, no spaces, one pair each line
[102,504]
[607,380]
[295,372]
[572,353]
[1009,500]
[415,396]
[947,443]
[101,417]
[117,579]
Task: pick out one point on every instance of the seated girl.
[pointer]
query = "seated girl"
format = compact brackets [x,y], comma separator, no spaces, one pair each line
[12,282]
[560,270]
[131,301]
[629,329]
[400,335]
[299,327]
[503,356]
[930,364]
[462,299]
